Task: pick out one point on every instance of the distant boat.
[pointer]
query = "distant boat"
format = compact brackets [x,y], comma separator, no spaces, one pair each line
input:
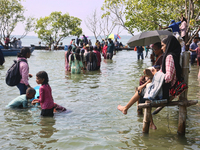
[15,51]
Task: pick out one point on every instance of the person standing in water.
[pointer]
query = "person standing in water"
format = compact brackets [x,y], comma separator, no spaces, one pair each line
[46,100]
[24,69]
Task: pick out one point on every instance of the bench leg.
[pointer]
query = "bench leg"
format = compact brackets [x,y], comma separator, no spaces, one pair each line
[147,117]
[139,111]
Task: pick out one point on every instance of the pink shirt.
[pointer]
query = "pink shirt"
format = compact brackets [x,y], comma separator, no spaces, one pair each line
[46,99]
[24,71]
[105,49]
[183,28]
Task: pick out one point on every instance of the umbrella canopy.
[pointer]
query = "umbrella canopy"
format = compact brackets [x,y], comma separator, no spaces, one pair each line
[148,37]
[114,36]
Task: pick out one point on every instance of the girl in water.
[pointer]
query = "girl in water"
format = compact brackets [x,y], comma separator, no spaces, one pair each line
[45,99]
[24,69]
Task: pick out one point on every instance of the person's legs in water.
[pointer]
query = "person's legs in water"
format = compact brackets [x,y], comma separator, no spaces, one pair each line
[152,125]
[142,55]
[22,88]
[138,56]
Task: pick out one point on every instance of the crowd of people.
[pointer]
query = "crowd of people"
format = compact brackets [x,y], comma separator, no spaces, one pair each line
[80,56]
[86,56]
[76,59]
[15,43]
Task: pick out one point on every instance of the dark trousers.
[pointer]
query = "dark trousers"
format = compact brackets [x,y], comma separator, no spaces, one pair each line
[22,88]
[140,54]
[98,67]
[109,55]
[47,112]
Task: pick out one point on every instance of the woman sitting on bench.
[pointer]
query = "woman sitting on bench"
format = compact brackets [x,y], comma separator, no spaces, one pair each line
[170,67]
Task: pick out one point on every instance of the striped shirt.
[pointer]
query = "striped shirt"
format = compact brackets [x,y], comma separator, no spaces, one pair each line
[170,75]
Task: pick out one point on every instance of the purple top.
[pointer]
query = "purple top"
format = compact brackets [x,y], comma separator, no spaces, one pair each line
[46,99]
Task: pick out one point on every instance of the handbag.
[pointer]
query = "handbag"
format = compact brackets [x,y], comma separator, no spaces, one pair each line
[179,87]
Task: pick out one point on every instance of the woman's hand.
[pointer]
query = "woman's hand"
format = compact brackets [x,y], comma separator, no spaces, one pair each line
[139,88]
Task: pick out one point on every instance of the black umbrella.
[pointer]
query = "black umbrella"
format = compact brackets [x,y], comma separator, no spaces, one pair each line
[148,37]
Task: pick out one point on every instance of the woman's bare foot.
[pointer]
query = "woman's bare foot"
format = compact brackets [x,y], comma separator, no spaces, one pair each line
[122,109]
[152,126]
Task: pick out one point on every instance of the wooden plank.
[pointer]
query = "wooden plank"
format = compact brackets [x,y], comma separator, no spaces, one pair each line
[174,103]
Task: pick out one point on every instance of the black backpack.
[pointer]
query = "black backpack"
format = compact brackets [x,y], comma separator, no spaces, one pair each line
[13,76]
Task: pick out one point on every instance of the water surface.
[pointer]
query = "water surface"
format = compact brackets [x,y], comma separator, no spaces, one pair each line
[95,122]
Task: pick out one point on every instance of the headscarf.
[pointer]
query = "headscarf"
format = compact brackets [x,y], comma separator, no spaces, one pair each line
[173,48]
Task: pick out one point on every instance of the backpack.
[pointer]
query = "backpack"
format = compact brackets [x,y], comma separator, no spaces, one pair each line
[13,75]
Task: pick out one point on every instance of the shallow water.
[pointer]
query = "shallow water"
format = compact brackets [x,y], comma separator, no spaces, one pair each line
[95,122]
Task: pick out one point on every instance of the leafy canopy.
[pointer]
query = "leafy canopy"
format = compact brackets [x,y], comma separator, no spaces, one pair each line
[146,15]
[12,12]
[56,27]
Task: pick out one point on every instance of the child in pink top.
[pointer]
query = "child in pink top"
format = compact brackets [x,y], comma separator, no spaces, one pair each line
[45,99]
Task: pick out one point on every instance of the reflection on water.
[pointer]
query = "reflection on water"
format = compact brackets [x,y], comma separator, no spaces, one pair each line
[47,124]
[94,122]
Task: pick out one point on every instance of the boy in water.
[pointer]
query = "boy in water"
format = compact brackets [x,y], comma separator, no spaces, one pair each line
[22,100]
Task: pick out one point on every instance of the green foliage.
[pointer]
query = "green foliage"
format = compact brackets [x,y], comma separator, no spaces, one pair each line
[56,27]
[146,15]
[11,13]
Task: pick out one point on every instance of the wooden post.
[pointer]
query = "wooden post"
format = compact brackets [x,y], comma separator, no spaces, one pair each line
[183,96]
[147,116]
[139,110]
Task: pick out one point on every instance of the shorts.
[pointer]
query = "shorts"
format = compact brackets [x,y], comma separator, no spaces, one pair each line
[142,92]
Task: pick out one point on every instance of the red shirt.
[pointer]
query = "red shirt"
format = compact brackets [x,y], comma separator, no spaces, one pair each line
[105,49]
[7,40]
[46,99]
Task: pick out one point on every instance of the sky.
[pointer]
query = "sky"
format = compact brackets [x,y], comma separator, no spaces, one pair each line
[77,8]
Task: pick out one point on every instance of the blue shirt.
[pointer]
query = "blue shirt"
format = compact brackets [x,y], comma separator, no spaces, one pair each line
[175,26]
[111,47]
[193,46]
[19,102]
